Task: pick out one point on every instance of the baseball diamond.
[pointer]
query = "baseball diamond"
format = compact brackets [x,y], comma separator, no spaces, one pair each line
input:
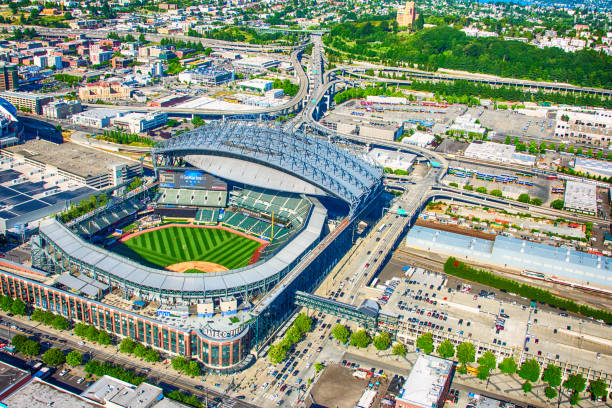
[177,244]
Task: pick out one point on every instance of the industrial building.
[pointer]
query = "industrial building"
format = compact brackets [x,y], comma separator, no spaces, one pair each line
[95,118]
[140,122]
[420,139]
[256,63]
[392,159]
[258,84]
[530,259]
[206,76]
[39,394]
[61,109]
[466,124]
[580,197]
[428,383]
[497,152]
[26,101]
[589,126]
[593,167]
[110,391]
[89,167]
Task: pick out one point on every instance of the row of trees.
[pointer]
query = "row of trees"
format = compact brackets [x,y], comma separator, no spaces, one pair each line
[125,138]
[190,368]
[129,346]
[462,88]
[457,268]
[362,339]
[91,333]
[359,93]
[301,325]
[16,306]
[49,319]
[100,369]
[194,45]
[529,370]
[85,206]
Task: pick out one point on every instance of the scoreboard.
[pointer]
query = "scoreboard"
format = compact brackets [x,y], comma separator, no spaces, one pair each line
[191,179]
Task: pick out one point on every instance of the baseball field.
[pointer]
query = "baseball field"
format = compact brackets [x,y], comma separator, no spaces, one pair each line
[189,249]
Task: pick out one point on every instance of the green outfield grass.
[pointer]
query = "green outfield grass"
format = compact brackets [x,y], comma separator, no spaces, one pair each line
[168,246]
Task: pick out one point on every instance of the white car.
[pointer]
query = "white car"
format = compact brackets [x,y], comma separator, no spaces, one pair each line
[64,372]
[80,380]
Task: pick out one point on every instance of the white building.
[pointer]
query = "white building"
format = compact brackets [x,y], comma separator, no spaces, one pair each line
[256,63]
[157,69]
[589,126]
[261,85]
[580,197]
[140,122]
[420,139]
[41,61]
[392,159]
[593,167]
[497,152]
[467,124]
[96,118]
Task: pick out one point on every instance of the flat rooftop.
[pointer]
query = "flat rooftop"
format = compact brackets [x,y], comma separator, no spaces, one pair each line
[10,375]
[69,157]
[121,393]
[38,394]
[426,381]
[580,196]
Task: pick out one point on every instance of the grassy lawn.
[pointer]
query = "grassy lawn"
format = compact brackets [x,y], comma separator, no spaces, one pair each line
[172,245]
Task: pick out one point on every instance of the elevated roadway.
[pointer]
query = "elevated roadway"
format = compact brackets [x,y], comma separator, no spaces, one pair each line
[474,78]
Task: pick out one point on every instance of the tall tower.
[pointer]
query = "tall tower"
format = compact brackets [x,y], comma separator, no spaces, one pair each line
[406,17]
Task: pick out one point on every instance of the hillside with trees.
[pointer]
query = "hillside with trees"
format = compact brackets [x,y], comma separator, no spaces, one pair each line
[447,47]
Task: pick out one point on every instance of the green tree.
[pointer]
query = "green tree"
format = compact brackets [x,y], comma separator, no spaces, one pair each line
[151,356]
[74,358]
[6,303]
[552,375]
[468,187]
[488,360]
[496,193]
[399,350]
[92,333]
[38,315]
[382,341]
[483,372]
[575,382]
[574,398]
[54,357]
[557,204]
[598,388]
[18,341]
[303,323]
[530,370]
[60,323]
[536,201]
[193,369]
[550,392]
[179,363]
[360,339]
[446,349]
[318,367]
[293,335]
[466,353]
[340,333]
[524,198]
[277,353]
[127,346]
[508,140]
[104,338]
[140,350]
[527,387]
[80,330]
[19,307]
[425,343]
[508,366]
[31,348]
[481,190]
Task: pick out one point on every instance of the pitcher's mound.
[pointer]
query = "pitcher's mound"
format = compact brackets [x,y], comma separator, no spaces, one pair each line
[196,266]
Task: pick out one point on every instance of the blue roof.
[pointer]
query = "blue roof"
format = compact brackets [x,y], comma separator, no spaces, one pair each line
[556,262]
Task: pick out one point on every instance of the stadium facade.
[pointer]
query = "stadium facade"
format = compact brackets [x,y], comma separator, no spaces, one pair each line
[287,188]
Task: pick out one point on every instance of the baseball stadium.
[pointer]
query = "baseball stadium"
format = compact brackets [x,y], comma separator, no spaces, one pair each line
[204,260]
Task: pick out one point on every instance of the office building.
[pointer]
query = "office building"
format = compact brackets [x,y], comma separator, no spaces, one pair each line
[96,118]
[105,91]
[26,101]
[9,79]
[61,109]
[140,122]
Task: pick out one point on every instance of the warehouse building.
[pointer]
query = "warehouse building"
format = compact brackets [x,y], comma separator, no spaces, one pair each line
[497,152]
[206,76]
[593,167]
[95,118]
[256,63]
[530,259]
[258,84]
[580,197]
[140,122]
[428,383]
[90,167]
[392,159]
